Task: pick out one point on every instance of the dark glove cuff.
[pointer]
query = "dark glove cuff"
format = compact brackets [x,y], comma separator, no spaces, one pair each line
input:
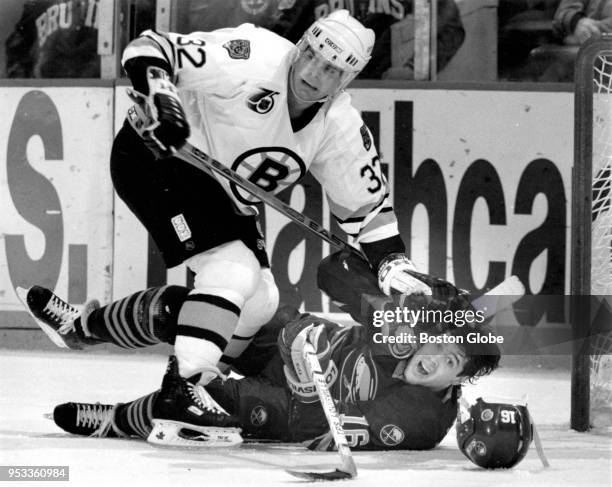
[377,251]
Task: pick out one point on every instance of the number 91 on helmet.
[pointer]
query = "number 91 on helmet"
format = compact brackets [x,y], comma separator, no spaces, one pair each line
[494,434]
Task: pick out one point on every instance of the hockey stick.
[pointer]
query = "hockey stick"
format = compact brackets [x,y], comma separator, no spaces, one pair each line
[501,297]
[348,470]
[194,156]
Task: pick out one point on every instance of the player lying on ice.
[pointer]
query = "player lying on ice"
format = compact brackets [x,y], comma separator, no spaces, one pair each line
[390,396]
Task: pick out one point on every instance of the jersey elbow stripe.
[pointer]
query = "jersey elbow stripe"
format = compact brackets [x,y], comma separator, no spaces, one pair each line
[145,51]
[362,213]
[379,233]
[171,46]
[163,50]
[358,228]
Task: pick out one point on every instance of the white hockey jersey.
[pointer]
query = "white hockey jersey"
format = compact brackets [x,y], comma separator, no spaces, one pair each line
[233,83]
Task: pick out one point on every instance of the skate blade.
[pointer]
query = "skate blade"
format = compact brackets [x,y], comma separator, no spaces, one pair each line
[54,336]
[167,433]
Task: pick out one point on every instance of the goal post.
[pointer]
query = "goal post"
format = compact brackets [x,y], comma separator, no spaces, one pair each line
[591,232]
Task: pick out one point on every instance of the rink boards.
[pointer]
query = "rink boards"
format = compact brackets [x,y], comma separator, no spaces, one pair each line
[480,179]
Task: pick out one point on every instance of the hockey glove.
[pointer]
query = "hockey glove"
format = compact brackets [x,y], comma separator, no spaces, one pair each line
[159,117]
[291,342]
[396,275]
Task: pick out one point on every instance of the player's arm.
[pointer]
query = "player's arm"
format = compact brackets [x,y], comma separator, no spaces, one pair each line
[410,418]
[158,116]
[349,169]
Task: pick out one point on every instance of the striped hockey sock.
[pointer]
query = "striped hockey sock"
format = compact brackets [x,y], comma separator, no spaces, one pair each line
[205,326]
[140,320]
[234,349]
[134,418]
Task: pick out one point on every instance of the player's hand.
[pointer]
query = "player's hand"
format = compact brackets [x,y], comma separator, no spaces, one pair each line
[586,28]
[395,276]
[159,117]
[291,343]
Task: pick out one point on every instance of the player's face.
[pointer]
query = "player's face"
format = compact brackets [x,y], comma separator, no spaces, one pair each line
[312,77]
[436,366]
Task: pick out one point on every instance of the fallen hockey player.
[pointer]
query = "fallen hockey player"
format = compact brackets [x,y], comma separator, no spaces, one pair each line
[390,396]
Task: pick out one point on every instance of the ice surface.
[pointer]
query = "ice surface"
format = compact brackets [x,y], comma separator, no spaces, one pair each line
[31,383]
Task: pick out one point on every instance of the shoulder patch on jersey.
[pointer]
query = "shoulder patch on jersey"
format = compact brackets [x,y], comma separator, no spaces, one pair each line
[365,136]
[238,48]
[391,435]
[262,102]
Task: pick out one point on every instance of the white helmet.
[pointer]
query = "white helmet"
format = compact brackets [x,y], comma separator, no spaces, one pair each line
[343,41]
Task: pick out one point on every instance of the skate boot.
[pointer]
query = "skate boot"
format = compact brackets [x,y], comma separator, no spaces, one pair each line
[57,318]
[86,419]
[184,414]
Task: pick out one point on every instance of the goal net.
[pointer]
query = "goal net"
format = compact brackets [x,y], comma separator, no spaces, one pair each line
[592,238]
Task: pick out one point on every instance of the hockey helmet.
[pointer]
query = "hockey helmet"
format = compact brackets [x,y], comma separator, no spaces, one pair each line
[342,41]
[494,434]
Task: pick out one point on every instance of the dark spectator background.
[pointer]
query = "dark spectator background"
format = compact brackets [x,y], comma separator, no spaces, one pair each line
[537,38]
[59,38]
[55,38]
[290,18]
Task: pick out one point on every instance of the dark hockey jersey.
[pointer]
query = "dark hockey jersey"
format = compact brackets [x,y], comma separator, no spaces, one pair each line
[378,409]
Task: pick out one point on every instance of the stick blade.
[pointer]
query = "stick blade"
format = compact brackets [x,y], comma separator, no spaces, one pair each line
[500,297]
[336,474]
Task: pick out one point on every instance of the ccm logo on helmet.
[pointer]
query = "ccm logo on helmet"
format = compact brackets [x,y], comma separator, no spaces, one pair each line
[333,45]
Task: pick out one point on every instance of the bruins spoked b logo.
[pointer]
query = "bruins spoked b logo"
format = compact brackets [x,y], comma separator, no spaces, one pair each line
[262,101]
[270,168]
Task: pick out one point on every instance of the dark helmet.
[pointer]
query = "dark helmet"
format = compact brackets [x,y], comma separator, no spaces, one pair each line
[494,435]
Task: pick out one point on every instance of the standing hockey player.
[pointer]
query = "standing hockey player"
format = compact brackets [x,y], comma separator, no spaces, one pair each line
[271,111]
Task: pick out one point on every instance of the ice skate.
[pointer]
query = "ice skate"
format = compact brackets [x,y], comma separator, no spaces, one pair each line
[57,318]
[86,419]
[184,414]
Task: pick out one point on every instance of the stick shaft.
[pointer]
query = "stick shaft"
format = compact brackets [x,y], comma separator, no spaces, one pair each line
[192,155]
[329,408]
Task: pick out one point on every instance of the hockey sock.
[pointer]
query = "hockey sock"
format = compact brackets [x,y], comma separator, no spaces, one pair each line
[205,326]
[234,349]
[258,310]
[134,418]
[140,320]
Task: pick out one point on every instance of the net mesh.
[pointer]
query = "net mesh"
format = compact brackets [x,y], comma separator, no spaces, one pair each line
[601,237]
